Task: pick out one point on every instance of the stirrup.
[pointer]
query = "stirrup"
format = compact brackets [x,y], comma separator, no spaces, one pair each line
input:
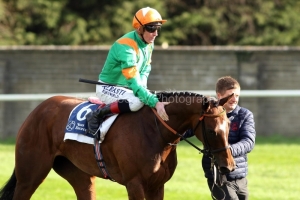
[97,134]
[93,134]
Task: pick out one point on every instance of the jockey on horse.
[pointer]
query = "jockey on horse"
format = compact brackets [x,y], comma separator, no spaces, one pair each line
[126,70]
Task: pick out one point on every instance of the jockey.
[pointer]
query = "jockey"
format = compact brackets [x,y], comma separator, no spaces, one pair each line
[126,70]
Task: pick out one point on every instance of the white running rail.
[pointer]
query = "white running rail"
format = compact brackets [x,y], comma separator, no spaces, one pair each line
[244,93]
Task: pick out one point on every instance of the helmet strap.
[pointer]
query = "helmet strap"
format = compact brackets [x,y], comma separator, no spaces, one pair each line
[138,20]
[141,32]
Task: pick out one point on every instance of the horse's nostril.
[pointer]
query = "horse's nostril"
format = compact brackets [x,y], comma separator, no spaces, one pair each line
[224,170]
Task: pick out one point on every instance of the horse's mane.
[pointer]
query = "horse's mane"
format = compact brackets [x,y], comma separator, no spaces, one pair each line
[166,94]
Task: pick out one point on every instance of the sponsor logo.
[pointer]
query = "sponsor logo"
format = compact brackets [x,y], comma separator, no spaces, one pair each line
[70,125]
[113,91]
[234,126]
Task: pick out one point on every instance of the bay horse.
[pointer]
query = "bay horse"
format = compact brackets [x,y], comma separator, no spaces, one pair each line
[139,150]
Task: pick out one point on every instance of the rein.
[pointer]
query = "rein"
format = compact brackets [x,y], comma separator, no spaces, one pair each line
[175,132]
[204,151]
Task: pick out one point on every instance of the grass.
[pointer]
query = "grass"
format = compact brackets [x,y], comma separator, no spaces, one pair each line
[273,174]
[274,170]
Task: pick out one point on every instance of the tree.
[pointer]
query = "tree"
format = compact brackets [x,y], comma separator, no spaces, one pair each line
[190,22]
[234,22]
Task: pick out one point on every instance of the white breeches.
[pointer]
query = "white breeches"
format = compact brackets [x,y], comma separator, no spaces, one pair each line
[108,94]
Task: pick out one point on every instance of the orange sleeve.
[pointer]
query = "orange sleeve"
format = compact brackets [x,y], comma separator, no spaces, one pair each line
[130,72]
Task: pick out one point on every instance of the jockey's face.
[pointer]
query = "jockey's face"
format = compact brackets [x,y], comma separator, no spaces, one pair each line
[149,35]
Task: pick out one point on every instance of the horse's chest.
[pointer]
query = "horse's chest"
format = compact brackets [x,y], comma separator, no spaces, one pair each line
[163,167]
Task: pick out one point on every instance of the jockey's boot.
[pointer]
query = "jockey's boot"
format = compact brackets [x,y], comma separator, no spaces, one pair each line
[95,118]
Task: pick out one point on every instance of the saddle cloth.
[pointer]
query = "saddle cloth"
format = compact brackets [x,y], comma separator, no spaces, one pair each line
[76,127]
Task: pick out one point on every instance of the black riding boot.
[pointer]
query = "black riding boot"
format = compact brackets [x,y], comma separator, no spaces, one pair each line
[95,118]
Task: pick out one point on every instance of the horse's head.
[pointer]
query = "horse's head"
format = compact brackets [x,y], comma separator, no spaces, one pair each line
[214,133]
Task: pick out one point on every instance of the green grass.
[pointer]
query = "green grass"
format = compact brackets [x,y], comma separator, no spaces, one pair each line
[273,174]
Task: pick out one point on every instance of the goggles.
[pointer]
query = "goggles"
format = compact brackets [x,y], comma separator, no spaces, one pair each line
[152,28]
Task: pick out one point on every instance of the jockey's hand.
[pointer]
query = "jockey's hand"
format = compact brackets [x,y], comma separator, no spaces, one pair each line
[160,108]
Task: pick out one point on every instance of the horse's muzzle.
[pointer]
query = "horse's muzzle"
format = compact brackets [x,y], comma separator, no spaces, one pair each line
[225,170]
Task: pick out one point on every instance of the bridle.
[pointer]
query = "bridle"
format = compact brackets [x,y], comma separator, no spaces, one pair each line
[218,178]
[207,150]
[206,143]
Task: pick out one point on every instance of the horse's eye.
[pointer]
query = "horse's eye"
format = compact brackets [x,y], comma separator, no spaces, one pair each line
[212,132]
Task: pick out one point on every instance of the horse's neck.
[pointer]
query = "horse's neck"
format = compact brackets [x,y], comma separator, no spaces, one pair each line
[179,121]
[180,116]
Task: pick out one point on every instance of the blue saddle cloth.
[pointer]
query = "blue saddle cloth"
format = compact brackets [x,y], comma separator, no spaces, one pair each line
[77,123]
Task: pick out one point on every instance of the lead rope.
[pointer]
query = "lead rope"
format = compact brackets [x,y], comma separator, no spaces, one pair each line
[218,181]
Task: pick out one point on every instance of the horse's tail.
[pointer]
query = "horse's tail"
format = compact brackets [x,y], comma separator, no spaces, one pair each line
[7,192]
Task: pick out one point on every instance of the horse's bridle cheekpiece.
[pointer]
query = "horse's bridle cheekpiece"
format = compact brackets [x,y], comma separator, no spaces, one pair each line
[205,136]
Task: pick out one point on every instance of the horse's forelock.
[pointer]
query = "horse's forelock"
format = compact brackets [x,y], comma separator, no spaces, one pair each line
[214,101]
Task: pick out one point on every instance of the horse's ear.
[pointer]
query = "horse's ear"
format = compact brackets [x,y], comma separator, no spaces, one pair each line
[225,99]
[214,102]
[205,104]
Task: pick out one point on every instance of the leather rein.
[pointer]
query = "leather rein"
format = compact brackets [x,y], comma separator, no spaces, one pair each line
[206,151]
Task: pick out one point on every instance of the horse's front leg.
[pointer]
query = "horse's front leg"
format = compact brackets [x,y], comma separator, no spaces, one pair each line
[157,194]
[135,190]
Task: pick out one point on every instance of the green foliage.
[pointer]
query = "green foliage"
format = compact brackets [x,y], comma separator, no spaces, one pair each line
[190,22]
[214,22]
